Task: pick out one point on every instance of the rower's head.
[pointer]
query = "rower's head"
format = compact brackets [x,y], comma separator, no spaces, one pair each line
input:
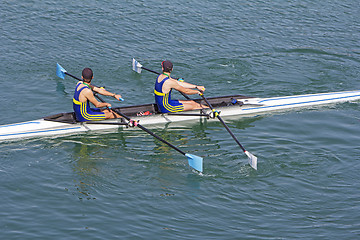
[87,75]
[167,66]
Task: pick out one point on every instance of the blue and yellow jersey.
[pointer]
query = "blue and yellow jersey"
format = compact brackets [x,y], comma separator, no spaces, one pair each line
[164,101]
[83,112]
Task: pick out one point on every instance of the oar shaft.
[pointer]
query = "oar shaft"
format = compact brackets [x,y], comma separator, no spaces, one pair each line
[150,70]
[73,76]
[143,128]
[230,132]
[223,123]
[157,137]
[92,86]
[252,158]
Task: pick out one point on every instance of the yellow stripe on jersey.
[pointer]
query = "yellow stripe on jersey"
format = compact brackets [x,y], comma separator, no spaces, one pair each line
[85,114]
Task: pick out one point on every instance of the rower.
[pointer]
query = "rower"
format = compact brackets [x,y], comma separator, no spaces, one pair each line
[163,86]
[84,95]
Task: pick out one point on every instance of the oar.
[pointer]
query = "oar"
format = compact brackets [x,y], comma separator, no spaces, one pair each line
[252,158]
[61,72]
[137,68]
[195,162]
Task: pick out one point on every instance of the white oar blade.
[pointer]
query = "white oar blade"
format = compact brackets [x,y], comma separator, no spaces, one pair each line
[252,160]
[60,71]
[136,66]
[195,162]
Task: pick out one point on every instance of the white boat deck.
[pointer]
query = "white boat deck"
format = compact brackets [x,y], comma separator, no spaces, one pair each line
[244,107]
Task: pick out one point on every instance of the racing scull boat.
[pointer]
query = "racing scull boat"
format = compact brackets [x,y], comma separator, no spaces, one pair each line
[148,114]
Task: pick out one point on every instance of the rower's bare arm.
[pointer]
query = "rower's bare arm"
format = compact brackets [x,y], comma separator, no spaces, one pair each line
[190,85]
[176,85]
[90,96]
[186,84]
[104,92]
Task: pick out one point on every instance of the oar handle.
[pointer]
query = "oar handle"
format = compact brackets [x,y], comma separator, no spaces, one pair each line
[143,128]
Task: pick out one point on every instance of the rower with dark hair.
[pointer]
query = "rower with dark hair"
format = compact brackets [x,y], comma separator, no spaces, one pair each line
[163,86]
[84,95]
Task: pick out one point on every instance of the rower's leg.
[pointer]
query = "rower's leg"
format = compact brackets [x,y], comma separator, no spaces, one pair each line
[191,105]
[111,115]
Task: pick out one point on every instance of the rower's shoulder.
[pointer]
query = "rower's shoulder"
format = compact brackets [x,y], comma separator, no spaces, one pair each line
[85,89]
[79,85]
[160,78]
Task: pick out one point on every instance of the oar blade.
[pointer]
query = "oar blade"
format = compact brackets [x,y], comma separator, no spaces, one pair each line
[195,162]
[136,66]
[60,71]
[252,160]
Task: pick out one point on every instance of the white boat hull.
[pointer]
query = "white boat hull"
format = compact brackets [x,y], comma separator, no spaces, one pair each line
[250,107]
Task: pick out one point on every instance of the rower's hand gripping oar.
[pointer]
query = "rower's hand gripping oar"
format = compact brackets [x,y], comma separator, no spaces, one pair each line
[252,158]
[195,162]
[136,66]
[61,72]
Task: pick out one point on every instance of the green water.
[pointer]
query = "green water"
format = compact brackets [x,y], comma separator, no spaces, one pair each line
[127,185]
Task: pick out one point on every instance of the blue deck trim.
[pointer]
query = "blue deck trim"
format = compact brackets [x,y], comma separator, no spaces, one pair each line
[19,124]
[312,95]
[42,131]
[289,104]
